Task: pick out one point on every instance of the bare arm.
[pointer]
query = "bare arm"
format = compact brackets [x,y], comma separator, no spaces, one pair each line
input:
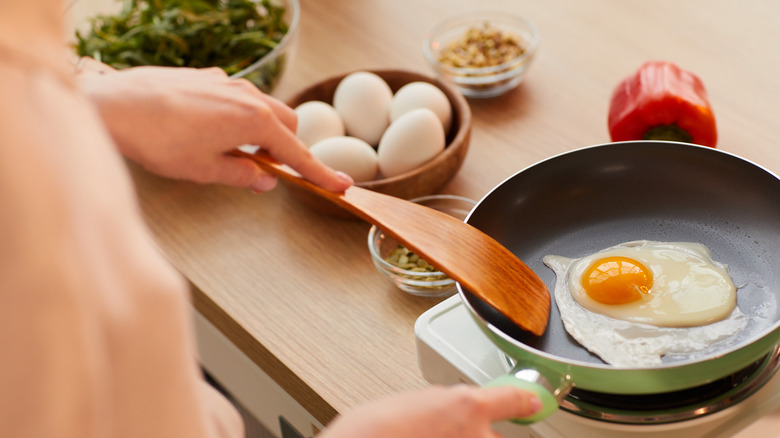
[95,326]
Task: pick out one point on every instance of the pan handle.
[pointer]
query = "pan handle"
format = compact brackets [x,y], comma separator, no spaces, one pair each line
[535,382]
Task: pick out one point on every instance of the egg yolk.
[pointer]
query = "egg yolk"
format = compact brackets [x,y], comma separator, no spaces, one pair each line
[616,280]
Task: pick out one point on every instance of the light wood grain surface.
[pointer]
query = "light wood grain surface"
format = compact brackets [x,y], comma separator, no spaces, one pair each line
[297,291]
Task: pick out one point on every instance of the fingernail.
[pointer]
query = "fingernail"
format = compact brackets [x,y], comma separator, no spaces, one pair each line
[263,183]
[344,177]
[535,404]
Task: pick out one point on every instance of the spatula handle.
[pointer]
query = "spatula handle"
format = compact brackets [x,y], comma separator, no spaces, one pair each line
[342,199]
[505,283]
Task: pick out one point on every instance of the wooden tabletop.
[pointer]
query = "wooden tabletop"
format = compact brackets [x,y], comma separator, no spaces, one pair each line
[297,291]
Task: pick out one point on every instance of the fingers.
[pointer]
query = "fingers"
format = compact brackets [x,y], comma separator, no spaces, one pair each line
[284,113]
[312,168]
[234,171]
[284,146]
[263,183]
[227,112]
[276,125]
[240,172]
[505,402]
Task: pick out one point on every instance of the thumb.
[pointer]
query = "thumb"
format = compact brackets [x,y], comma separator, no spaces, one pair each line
[241,172]
[508,402]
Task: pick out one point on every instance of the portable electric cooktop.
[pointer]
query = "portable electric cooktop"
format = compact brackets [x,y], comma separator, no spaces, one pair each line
[452,349]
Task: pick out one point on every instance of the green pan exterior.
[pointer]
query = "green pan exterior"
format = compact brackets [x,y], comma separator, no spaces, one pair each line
[607,379]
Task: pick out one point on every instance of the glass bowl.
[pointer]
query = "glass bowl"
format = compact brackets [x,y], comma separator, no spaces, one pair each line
[267,72]
[102,32]
[422,281]
[476,72]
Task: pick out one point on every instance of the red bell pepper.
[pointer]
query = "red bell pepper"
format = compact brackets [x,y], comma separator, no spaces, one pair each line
[662,102]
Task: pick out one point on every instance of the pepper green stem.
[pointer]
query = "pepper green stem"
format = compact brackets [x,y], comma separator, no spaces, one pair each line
[668,132]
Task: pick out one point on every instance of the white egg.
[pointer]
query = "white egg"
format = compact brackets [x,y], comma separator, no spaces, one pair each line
[363,101]
[316,121]
[686,310]
[350,155]
[422,95]
[410,141]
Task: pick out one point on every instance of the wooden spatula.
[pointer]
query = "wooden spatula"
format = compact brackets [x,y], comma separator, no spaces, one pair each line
[472,258]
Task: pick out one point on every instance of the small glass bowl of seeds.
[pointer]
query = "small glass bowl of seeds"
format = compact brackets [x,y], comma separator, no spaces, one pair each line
[407,270]
[484,54]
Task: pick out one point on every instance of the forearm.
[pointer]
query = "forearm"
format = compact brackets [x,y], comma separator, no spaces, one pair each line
[95,325]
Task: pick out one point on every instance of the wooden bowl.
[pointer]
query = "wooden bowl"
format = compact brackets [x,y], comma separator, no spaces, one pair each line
[422,181]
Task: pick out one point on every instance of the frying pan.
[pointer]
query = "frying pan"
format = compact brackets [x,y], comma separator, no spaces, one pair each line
[592,198]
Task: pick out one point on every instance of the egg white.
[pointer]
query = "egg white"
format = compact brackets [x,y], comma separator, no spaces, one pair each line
[629,344]
[688,287]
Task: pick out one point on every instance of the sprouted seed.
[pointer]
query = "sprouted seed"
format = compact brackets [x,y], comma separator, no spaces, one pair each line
[402,257]
[482,46]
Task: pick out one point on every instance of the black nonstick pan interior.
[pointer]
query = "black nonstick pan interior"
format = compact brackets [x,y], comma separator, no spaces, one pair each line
[592,198]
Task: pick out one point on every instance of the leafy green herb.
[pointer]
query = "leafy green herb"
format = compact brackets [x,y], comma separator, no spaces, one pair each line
[231,34]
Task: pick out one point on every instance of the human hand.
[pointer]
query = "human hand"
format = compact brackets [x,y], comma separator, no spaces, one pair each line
[459,411]
[182,122]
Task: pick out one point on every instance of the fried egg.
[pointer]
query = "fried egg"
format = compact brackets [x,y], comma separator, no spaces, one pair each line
[633,303]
